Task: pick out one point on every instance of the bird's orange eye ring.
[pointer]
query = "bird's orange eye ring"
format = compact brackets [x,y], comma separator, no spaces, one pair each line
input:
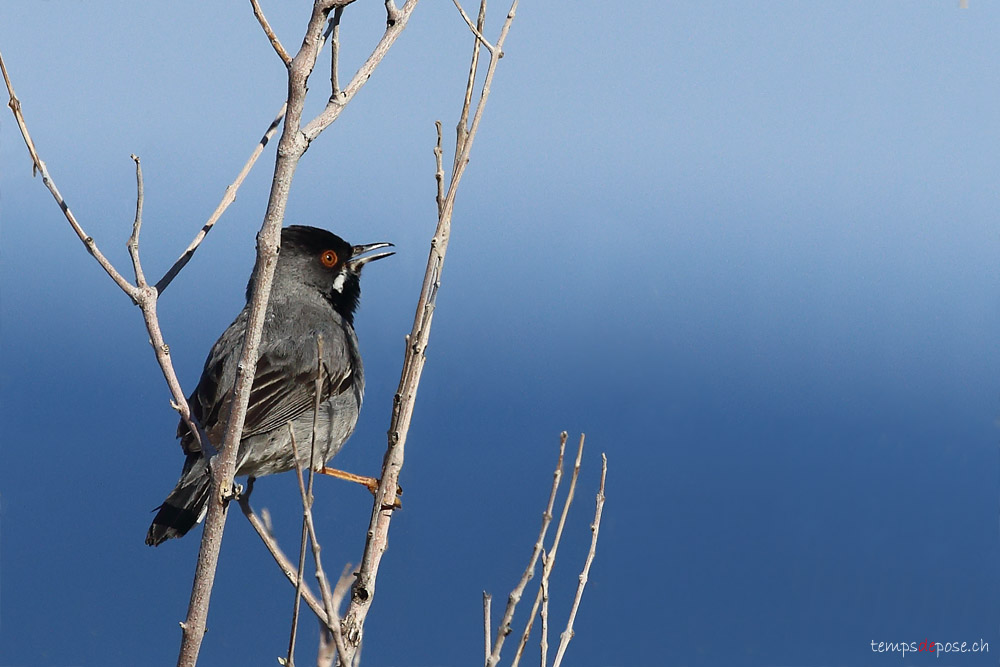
[329,259]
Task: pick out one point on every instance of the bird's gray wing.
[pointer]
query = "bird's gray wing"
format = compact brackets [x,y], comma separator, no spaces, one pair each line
[283,387]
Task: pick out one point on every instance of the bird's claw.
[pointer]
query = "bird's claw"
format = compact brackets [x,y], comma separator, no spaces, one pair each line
[235,494]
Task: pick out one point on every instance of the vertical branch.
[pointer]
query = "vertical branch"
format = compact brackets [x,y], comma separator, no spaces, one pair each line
[462,129]
[300,572]
[545,616]
[529,572]
[294,141]
[439,169]
[487,620]
[133,240]
[291,147]
[550,560]
[595,529]
[335,52]
[413,363]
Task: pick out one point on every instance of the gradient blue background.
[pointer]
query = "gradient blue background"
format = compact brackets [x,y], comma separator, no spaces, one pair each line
[749,248]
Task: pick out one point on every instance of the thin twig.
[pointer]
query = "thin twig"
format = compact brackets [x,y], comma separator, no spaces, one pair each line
[133,241]
[335,52]
[39,166]
[227,198]
[484,93]
[595,529]
[487,622]
[475,31]
[550,560]
[308,526]
[544,644]
[275,42]
[439,169]
[462,129]
[306,502]
[529,572]
[334,643]
[284,564]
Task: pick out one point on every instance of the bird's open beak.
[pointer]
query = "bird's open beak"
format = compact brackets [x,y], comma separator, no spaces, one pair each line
[357,261]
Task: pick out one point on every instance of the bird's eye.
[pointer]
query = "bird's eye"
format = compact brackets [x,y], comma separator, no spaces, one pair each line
[329,259]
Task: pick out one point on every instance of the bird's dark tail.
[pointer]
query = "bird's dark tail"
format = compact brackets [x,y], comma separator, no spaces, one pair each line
[185,506]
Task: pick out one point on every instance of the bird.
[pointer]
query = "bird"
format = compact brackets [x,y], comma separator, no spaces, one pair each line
[315,293]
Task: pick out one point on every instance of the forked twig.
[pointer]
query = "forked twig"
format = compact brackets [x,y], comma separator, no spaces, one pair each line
[284,564]
[399,19]
[141,295]
[550,559]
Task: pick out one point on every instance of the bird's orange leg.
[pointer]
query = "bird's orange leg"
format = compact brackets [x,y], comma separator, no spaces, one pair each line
[368,482]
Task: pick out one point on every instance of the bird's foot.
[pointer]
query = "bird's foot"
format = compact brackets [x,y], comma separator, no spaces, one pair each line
[369,483]
[235,494]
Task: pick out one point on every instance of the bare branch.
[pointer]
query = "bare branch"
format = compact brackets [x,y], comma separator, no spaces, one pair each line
[595,528]
[550,559]
[462,129]
[275,42]
[439,171]
[306,502]
[545,614]
[487,621]
[284,564]
[228,198]
[133,241]
[475,31]
[335,52]
[484,94]
[331,647]
[529,572]
[308,527]
[337,104]
[391,13]
[413,363]
[39,166]
[292,145]
[143,296]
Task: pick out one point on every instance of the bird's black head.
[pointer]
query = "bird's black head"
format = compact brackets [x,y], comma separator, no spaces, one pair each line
[312,258]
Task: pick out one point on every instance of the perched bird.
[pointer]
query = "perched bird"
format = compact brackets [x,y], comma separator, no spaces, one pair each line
[315,293]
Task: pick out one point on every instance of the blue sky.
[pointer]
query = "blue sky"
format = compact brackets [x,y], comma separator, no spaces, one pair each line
[749,248]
